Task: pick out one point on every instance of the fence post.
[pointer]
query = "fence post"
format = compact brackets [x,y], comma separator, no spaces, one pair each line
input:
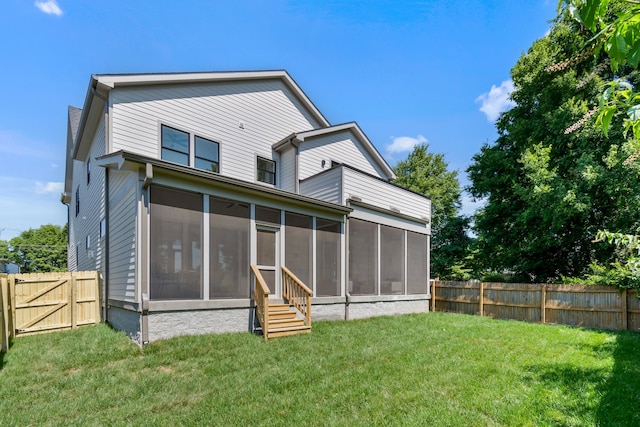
[433,295]
[12,305]
[481,300]
[625,315]
[543,304]
[4,330]
[73,308]
[96,289]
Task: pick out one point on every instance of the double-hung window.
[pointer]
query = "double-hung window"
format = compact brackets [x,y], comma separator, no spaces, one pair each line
[189,150]
[266,171]
[175,145]
[206,154]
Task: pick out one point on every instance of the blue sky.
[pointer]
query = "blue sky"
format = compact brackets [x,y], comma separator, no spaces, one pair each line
[408,72]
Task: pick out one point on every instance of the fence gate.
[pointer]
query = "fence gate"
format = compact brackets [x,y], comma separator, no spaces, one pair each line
[48,301]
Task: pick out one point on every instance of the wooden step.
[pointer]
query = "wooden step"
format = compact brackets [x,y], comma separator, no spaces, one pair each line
[292,330]
[279,315]
[285,323]
[279,307]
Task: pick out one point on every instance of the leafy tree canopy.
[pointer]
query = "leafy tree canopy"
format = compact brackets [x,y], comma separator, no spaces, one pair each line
[38,250]
[552,179]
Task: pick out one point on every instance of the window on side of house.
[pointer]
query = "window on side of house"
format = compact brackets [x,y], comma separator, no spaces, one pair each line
[103,228]
[266,171]
[88,242]
[206,154]
[77,200]
[175,145]
[88,171]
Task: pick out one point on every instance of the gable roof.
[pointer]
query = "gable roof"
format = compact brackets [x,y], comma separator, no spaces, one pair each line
[353,127]
[101,84]
[74,120]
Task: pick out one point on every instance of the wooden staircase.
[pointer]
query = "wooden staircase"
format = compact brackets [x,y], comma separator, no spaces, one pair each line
[277,319]
[283,321]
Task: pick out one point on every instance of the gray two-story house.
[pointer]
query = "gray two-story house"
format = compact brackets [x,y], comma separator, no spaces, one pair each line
[183,187]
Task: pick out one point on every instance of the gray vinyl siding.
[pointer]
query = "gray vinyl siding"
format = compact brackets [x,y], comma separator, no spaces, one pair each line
[92,209]
[325,186]
[287,167]
[383,195]
[341,147]
[245,118]
[122,235]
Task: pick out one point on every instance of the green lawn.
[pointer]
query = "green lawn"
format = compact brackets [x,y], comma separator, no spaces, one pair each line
[427,370]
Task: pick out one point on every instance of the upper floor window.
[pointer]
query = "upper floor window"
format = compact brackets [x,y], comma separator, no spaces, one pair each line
[88,171]
[206,154]
[266,170]
[175,145]
[189,150]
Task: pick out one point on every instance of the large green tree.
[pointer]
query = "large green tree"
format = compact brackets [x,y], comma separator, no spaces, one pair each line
[40,250]
[428,173]
[552,179]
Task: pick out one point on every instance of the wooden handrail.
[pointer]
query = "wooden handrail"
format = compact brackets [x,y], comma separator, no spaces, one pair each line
[297,293]
[261,296]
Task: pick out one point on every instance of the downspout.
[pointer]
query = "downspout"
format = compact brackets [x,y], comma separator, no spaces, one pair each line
[144,255]
[347,292]
[106,246]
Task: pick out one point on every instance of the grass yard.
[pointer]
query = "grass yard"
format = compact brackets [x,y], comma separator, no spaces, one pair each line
[432,369]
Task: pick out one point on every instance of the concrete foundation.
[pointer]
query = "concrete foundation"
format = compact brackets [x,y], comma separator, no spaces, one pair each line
[173,323]
[126,320]
[164,324]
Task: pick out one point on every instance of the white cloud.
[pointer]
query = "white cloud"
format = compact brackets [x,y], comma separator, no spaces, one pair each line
[49,187]
[404,144]
[50,7]
[497,100]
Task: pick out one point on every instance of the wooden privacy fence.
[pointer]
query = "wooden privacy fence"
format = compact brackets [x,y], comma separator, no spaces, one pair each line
[42,302]
[575,305]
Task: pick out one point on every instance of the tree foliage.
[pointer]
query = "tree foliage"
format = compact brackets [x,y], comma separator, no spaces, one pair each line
[615,26]
[428,173]
[38,250]
[552,179]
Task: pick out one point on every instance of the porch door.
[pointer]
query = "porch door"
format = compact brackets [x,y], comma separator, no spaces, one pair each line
[268,257]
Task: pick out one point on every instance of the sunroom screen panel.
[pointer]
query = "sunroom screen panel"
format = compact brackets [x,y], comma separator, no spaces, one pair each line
[363,257]
[176,244]
[228,249]
[298,251]
[416,263]
[328,256]
[391,260]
